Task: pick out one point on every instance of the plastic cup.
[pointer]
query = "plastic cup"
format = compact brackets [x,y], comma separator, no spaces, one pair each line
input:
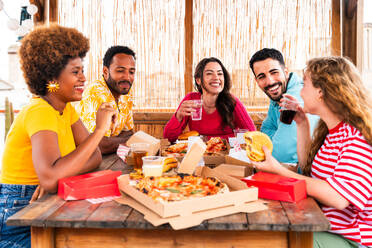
[152,166]
[239,134]
[197,114]
[139,150]
[286,116]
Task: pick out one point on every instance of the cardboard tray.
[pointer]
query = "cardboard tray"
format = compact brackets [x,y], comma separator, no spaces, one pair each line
[239,194]
[232,160]
[208,159]
[233,170]
[181,222]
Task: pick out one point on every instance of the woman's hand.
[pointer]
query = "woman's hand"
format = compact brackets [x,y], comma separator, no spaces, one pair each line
[186,109]
[106,117]
[270,164]
[291,103]
[39,192]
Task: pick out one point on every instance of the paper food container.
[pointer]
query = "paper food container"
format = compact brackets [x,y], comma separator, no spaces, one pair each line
[208,159]
[181,222]
[190,212]
[276,187]
[239,194]
[233,170]
[91,185]
[142,137]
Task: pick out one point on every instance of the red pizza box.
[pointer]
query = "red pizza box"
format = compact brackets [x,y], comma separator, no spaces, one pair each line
[90,185]
[275,187]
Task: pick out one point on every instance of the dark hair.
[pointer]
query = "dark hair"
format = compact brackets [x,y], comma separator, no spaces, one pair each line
[225,102]
[266,53]
[112,51]
[45,52]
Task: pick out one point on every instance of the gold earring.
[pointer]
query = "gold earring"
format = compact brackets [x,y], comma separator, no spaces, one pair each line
[53,86]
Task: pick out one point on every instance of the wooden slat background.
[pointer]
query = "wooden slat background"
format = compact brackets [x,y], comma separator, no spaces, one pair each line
[170,37]
[153,123]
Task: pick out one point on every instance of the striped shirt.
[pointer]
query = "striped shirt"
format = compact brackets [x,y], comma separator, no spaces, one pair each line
[345,162]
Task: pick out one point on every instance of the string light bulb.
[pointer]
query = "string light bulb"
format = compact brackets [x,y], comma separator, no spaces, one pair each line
[32,9]
[25,24]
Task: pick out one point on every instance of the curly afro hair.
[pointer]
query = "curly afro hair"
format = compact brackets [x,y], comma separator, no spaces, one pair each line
[45,52]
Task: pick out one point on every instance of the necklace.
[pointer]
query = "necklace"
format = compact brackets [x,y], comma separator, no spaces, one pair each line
[45,99]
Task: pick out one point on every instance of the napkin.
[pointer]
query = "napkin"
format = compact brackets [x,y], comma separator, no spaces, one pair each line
[123,152]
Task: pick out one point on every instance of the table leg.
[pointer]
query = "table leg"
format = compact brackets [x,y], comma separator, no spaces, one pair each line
[300,239]
[42,237]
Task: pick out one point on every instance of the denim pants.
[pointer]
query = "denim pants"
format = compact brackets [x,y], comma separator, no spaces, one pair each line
[13,198]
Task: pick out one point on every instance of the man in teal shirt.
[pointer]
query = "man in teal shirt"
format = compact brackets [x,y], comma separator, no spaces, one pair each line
[274,79]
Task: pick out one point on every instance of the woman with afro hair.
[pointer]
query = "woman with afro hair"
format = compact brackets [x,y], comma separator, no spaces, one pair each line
[47,140]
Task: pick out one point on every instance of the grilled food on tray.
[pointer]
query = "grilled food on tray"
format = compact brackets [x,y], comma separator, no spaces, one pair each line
[214,146]
[176,150]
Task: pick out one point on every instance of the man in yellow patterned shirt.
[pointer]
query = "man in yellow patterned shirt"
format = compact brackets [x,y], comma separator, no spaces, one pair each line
[119,69]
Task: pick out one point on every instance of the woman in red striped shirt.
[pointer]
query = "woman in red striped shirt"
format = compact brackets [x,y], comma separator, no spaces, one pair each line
[337,162]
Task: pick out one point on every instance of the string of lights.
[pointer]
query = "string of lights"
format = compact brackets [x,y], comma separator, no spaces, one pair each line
[25,24]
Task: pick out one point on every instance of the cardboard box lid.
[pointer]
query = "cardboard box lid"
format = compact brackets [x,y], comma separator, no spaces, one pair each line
[192,157]
[142,137]
[91,179]
[181,222]
[234,170]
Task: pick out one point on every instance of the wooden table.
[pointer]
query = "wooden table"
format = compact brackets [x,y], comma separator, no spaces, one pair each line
[57,223]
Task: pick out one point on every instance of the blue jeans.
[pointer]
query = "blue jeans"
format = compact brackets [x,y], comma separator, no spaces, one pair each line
[13,198]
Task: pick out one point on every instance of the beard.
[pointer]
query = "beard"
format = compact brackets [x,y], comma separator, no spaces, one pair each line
[114,85]
[277,98]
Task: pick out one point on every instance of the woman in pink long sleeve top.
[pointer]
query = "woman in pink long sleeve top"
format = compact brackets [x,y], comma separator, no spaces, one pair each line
[221,111]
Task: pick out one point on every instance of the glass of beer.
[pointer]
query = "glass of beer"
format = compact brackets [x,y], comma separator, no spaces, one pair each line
[139,150]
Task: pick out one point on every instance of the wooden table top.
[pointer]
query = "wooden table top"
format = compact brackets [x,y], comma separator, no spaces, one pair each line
[52,211]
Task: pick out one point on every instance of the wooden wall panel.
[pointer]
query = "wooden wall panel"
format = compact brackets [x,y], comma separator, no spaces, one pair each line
[189,37]
[336,28]
[352,31]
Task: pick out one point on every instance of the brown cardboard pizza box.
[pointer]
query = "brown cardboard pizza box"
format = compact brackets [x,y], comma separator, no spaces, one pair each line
[181,222]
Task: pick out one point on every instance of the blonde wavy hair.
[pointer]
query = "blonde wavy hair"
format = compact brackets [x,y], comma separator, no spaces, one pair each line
[344,94]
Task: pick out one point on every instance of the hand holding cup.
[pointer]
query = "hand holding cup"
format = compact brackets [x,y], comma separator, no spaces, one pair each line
[291,109]
[188,108]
